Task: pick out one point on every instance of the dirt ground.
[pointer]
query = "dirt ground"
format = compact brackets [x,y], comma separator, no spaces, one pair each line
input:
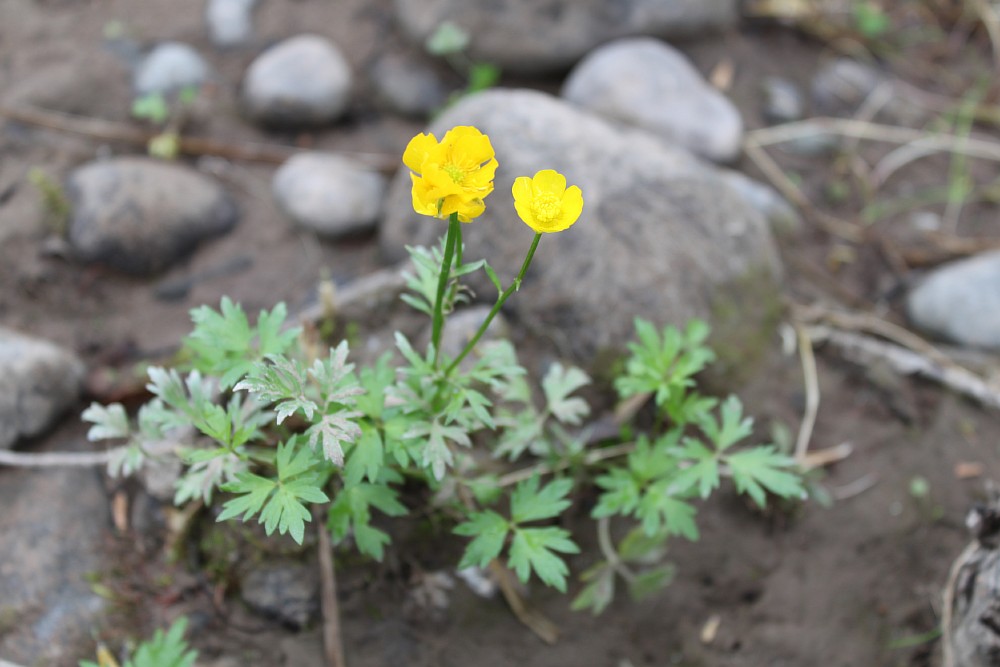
[852,585]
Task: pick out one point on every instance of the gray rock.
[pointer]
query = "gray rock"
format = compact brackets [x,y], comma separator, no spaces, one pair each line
[38,381]
[662,235]
[287,592]
[169,67]
[230,22]
[302,81]
[53,524]
[960,302]
[842,86]
[782,100]
[407,87]
[532,37]
[329,194]
[140,215]
[648,84]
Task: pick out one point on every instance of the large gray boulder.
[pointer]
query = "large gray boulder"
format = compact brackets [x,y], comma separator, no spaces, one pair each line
[662,236]
[140,215]
[54,525]
[304,81]
[38,382]
[529,36]
[651,85]
[960,302]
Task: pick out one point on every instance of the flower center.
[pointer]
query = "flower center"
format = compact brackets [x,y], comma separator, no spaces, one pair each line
[546,207]
[457,173]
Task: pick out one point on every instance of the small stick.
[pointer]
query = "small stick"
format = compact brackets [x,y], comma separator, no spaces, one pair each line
[103,130]
[530,617]
[864,349]
[811,381]
[791,191]
[54,459]
[948,603]
[333,645]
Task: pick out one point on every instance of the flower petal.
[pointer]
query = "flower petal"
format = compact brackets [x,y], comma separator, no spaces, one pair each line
[549,180]
[417,151]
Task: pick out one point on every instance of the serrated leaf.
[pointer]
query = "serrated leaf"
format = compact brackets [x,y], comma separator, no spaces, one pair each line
[621,494]
[535,550]
[598,594]
[367,457]
[165,650]
[557,385]
[281,381]
[651,581]
[109,421]
[352,509]
[731,428]
[375,380]
[332,432]
[489,531]
[528,503]
[763,469]
[279,502]
[658,511]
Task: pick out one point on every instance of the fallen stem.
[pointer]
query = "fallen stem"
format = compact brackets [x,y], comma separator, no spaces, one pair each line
[96,128]
[333,645]
[811,380]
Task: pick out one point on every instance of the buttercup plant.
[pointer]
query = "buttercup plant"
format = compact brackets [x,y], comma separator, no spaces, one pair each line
[278,428]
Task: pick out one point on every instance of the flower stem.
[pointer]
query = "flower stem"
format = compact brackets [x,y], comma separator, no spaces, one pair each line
[454,231]
[514,286]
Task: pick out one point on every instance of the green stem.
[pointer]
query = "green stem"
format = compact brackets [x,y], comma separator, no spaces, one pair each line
[514,286]
[437,322]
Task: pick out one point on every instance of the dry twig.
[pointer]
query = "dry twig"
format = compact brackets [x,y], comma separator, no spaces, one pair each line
[333,645]
[103,130]
[812,392]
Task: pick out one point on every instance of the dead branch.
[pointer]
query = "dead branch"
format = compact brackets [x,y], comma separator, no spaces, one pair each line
[333,645]
[864,350]
[103,130]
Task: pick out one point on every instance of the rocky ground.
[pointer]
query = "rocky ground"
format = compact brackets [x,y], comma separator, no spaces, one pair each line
[685,123]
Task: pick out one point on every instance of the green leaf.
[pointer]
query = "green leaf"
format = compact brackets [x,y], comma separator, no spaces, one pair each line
[223,343]
[447,39]
[651,581]
[535,550]
[366,458]
[488,530]
[732,428]
[658,511]
[621,494]
[763,469]
[165,650]
[333,431]
[557,385]
[279,502]
[282,381]
[436,454]
[108,422]
[528,503]
[702,471]
[599,592]
[375,380]
[352,509]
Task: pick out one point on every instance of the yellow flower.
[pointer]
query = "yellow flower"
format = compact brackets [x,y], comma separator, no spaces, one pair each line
[453,176]
[544,202]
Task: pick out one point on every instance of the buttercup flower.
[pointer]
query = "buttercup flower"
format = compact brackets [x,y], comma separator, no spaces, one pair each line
[544,202]
[453,176]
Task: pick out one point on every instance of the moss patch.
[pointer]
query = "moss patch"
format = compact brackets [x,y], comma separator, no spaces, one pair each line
[744,315]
